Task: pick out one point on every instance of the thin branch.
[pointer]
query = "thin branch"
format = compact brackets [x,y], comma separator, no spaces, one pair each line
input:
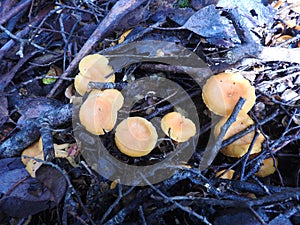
[210,153]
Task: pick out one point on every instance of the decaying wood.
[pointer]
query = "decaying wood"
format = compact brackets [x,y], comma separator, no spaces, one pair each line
[21,140]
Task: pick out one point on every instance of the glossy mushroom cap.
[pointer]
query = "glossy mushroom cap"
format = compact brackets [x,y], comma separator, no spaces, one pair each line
[93,68]
[221,92]
[267,168]
[99,111]
[135,136]
[239,147]
[177,127]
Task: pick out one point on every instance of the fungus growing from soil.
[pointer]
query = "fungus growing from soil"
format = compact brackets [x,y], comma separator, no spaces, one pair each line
[267,167]
[177,127]
[239,147]
[93,68]
[221,92]
[135,136]
[99,111]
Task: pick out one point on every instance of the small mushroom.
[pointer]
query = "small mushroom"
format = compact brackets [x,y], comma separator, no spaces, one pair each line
[221,92]
[93,68]
[268,167]
[239,147]
[135,136]
[227,175]
[99,111]
[177,127]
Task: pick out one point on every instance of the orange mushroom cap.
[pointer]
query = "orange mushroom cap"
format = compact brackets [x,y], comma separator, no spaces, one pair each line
[93,68]
[267,168]
[221,92]
[135,136]
[227,175]
[239,147]
[112,95]
[178,127]
[99,111]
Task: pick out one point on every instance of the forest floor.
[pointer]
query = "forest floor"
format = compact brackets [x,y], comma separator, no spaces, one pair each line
[160,55]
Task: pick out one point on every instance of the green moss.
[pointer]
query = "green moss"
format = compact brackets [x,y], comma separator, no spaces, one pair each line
[48,80]
[182,3]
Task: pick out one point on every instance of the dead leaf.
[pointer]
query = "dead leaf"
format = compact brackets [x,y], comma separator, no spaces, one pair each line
[36,150]
[180,15]
[35,107]
[206,22]
[253,12]
[289,94]
[22,195]
[53,180]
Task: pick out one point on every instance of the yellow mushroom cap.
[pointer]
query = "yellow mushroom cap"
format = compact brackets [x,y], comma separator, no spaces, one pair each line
[36,151]
[267,168]
[93,68]
[227,175]
[221,92]
[135,136]
[178,127]
[239,147]
[99,111]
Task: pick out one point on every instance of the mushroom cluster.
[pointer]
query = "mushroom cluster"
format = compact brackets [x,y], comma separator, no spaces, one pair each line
[134,136]
[220,93]
[93,68]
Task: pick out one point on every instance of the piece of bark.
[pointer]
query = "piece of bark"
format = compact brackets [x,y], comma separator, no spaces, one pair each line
[31,131]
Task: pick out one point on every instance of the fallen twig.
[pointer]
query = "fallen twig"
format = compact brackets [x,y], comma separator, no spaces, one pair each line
[211,152]
[116,14]
[30,133]
[15,10]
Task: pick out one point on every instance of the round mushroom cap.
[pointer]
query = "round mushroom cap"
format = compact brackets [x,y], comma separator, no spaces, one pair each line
[221,92]
[93,68]
[239,147]
[268,167]
[177,127]
[99,111]
[135,136]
